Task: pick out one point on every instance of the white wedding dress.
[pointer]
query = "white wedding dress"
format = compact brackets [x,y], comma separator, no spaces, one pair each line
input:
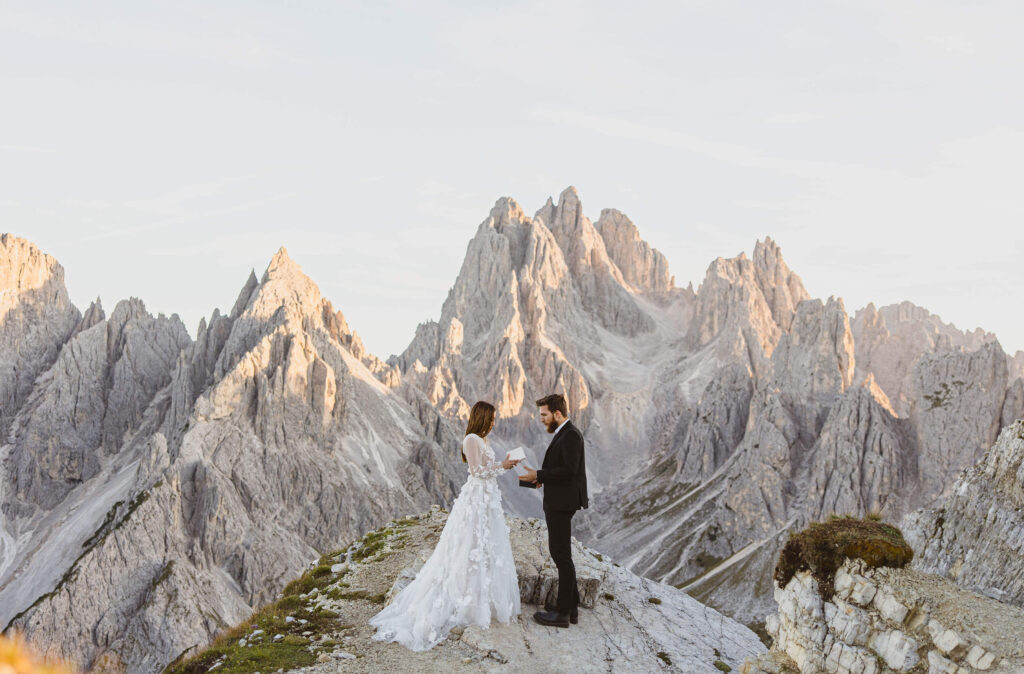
[470,577]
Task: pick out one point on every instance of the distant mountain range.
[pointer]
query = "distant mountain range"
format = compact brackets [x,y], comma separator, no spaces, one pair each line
[153,489]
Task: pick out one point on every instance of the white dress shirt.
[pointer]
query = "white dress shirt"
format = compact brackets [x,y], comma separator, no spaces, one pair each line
[560,426]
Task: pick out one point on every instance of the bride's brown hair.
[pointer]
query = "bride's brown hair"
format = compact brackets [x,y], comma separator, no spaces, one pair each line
[480,418]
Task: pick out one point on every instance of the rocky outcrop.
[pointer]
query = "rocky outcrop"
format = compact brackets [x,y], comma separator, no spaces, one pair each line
[626,623]
[976,536]
[889,620]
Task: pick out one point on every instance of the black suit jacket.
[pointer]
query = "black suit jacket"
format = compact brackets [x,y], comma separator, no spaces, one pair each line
[563,473]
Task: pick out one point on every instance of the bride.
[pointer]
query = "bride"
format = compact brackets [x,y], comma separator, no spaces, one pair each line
[471,576]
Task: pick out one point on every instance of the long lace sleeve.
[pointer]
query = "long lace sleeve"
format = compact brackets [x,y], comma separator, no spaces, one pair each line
[480,457]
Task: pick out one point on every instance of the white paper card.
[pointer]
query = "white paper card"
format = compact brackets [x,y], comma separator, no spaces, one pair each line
[519,453]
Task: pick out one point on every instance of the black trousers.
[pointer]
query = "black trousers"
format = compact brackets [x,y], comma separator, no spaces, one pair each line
[559,534]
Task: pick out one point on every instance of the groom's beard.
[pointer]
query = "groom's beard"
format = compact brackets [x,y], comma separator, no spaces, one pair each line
[552,426]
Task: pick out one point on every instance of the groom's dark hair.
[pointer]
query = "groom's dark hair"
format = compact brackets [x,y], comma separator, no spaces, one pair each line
[555,403]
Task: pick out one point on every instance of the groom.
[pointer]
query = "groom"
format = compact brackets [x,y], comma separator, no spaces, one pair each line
[564,476]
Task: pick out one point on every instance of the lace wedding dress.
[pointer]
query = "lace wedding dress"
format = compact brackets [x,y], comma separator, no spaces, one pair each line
[471,575]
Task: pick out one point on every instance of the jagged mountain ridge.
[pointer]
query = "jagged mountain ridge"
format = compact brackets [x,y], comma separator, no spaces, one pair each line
[716,419]
[182,482]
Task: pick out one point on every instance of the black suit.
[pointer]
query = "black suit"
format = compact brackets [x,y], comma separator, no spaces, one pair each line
[564,471]
[563,475]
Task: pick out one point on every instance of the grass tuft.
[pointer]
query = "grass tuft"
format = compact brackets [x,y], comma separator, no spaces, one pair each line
[262,653]
[361,594]
[373,542]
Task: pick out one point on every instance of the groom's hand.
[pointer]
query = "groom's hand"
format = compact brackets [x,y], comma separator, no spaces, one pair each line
[529,476]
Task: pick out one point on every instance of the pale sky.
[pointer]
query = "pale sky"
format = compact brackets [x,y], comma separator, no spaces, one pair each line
[163,150]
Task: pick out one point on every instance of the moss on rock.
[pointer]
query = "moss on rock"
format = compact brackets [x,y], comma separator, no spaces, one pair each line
[822,547]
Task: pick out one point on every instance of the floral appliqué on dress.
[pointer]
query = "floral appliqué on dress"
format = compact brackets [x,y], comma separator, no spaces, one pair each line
[470,577]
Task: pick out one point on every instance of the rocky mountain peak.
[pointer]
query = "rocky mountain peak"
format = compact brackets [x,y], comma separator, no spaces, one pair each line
[281,320]
[567,214]
[643,267]
[93,315]
[576,235]
[782,289]
[245,293]
[26,272]
[506,210]
[281,264]
[283,286]
[749,302]
[126,310]
[877,393]
[36,318]
[892,338]
[603,291]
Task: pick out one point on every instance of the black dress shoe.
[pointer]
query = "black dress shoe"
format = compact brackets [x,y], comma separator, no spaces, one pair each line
[551,618]
[574,617]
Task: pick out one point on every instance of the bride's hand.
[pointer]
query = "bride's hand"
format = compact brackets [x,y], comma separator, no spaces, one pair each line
[508,463]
